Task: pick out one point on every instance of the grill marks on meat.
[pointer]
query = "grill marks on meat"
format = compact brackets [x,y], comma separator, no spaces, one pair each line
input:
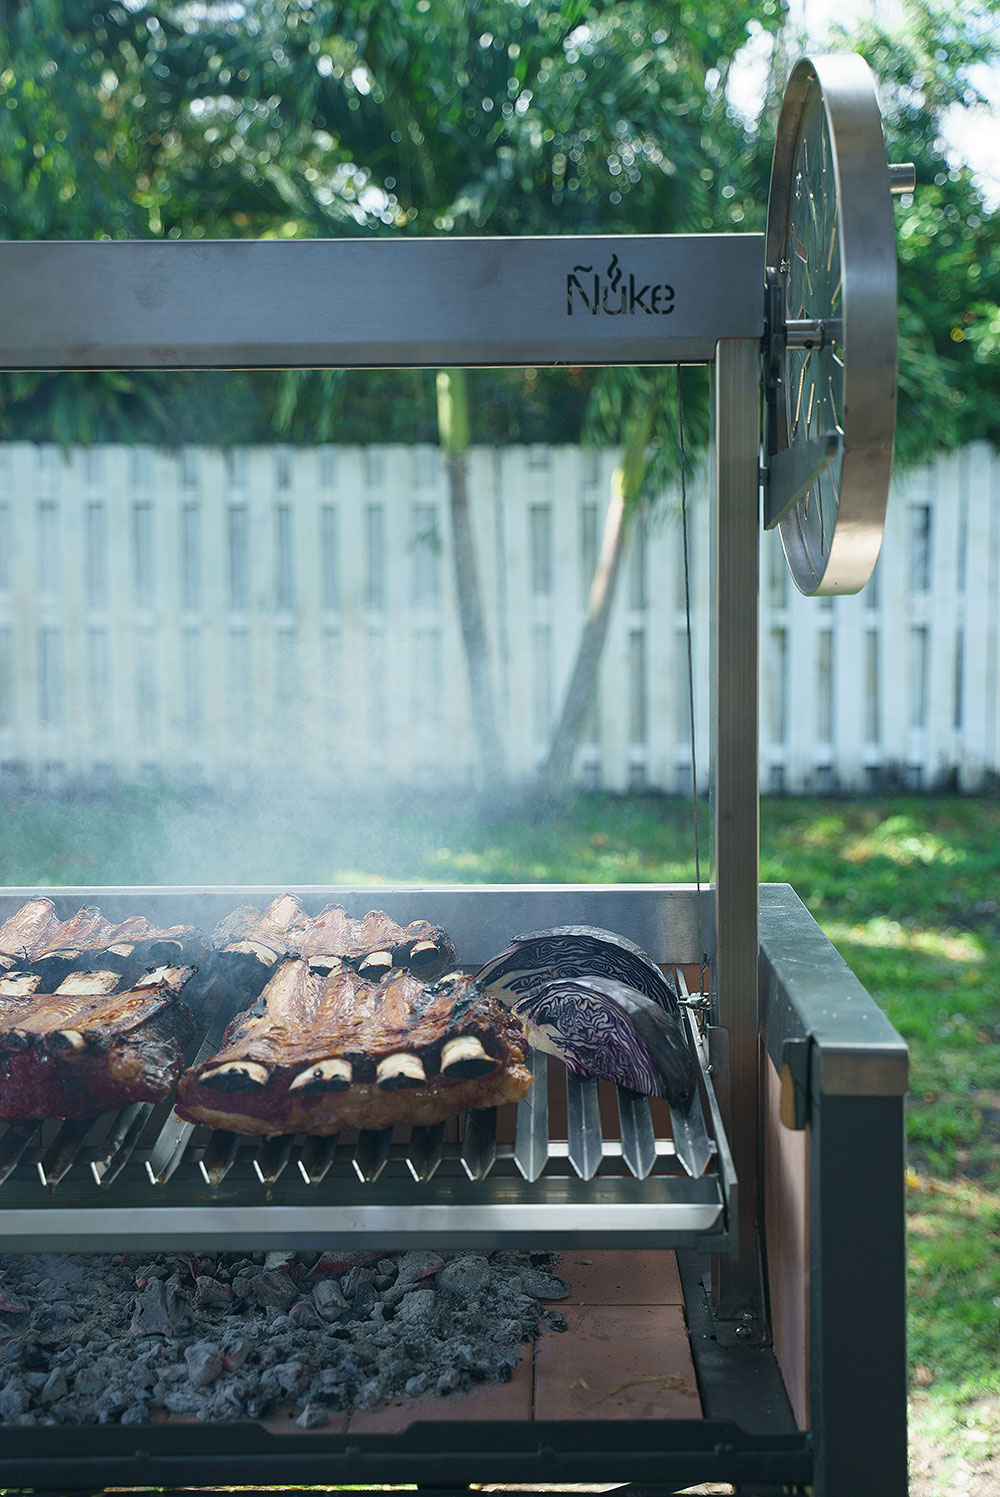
[84,1049]
[331,940]
[36,938]
[321,1052]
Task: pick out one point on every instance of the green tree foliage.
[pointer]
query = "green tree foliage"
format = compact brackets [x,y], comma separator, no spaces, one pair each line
[318,117]
[949,241]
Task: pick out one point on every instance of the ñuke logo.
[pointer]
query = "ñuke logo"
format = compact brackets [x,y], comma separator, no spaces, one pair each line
[614,293]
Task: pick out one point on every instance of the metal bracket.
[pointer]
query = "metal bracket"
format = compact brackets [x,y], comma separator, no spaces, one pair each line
[792,472]
[794,1072]
[746,1330]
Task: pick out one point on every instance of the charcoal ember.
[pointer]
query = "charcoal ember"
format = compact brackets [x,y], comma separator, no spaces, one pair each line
[312,1415]
[553,1321]
[387,1267]
[204,1363]
[448,1381]
[369,1394]
[137,1413]
[228,1400]
[355,1279]
[259,1404]
[287,1375]
[305,1315]
[14,1399]
[183,1402]
[275,1290]
[158,1269]
[338,1263]
[414,1266]
[89,1382]
[161,1309]
[209,1292]
[362,1303]
[466,1275]
[112,1403]
[235,1354]
[417,1306]
[24,1353]
[416,1385]
[542,1285]
[279,1260]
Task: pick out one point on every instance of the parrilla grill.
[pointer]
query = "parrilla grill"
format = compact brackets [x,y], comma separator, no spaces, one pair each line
[798,1202]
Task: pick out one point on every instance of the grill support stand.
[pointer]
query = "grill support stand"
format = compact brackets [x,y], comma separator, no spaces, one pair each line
[736,1282]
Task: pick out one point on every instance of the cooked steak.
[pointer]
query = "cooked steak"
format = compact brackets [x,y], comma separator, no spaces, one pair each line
[331,939]
[34,937]
[320,1052]
[84,1049]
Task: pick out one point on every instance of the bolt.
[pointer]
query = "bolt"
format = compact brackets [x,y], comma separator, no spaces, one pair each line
[745,1327]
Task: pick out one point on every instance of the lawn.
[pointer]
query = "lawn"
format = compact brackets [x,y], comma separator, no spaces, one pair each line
[907,889]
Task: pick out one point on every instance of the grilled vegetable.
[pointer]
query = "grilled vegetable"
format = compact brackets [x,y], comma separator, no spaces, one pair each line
[599,1003]
[600,1027]
[573,951]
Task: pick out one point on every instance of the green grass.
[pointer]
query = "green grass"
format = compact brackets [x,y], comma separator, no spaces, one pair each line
[907,889]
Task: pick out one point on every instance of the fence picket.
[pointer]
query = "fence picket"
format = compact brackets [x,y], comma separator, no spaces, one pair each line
[235,614]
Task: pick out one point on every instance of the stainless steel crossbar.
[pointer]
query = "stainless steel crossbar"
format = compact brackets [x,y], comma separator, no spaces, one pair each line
[353,303]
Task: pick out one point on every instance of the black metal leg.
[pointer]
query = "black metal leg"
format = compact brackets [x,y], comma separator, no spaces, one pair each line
[858,1297]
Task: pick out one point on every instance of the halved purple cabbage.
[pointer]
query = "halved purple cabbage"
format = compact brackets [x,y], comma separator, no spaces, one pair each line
[600,1027]
[573,951]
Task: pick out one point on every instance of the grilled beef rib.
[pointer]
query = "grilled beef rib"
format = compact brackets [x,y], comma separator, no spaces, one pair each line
[85,1048]
[320,1052]
[373,946]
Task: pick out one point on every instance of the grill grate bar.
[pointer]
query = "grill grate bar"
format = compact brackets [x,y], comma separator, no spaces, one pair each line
[583,1121]
[117,1148]
[175,1135]
[60,1156]
[316,1160]
[425,1151]
[531,1151]
[479,1145]
[371,1154]
[272,1157]
[13,1146]
[219,1157]
[638,1138]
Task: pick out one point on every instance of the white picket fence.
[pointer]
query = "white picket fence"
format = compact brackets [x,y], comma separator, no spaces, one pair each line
[225,615]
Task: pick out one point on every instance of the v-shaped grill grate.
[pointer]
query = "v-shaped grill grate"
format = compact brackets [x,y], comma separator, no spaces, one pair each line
[570,1141]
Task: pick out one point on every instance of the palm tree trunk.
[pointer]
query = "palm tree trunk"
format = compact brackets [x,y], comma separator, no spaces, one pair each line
[555,774]
[453,428]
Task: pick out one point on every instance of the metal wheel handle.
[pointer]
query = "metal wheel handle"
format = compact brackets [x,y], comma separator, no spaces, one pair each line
[830,346]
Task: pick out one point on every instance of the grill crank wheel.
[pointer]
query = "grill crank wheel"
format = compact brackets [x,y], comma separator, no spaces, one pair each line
[830,345]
